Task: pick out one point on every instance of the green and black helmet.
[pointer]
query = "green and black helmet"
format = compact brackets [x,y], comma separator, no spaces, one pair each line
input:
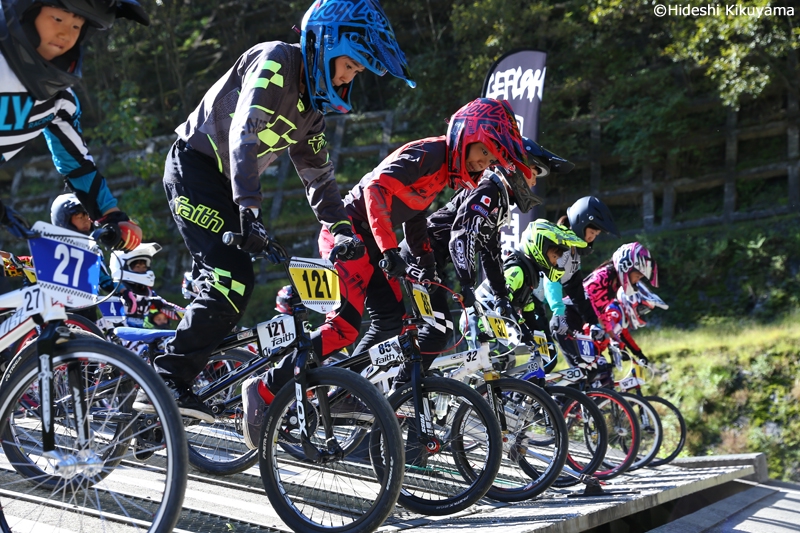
[540,236]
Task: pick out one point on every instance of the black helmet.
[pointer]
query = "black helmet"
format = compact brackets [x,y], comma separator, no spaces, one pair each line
[590,211]
[19,40]
[544,160]
[62,209]
[283,301]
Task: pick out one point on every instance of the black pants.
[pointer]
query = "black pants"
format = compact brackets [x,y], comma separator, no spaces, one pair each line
[202,205]
[433,339]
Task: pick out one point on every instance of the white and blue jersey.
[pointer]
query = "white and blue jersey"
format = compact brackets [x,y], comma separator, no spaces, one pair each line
[22,118]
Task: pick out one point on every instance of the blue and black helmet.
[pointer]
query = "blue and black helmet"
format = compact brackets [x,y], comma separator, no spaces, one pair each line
[358,29]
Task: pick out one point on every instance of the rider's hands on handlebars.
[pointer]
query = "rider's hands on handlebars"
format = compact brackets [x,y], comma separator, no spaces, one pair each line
[558,324]
[123,233]
[503,306]
[254,235]
[348,244]
[425,271]
[467,296]
[643,360]
[597,332]
[393,264]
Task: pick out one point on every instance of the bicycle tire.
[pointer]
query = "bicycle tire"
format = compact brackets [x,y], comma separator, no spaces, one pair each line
[674,430]
[219,448]
[585,423]
[535,447]
[623,432]
[367,487]
[73,322]
[162,505]
[651,432]
[433,483]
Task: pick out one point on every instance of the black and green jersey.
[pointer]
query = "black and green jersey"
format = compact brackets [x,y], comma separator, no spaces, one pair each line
[253,113]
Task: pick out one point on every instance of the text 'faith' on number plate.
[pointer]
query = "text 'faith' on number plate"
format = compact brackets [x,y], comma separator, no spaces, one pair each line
[423,301]
[316,282]
[386,352]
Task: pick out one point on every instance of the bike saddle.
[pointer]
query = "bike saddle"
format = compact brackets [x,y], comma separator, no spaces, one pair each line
[142,335]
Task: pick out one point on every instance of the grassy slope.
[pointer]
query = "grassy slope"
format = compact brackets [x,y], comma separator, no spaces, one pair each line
[737,385]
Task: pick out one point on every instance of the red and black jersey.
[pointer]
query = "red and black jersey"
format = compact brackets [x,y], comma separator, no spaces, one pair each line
[399,192]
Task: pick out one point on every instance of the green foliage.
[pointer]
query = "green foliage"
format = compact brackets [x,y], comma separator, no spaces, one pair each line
[737,386]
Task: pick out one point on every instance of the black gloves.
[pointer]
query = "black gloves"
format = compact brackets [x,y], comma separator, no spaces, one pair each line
[254,234]
[467,296]
[558,324]
[349,245]
[393,264]
[643,360]
[503,307]
[123,234]
[425,271]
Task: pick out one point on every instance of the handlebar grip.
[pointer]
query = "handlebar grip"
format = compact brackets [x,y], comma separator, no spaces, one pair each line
[230,238]
[383,264]
[335,252]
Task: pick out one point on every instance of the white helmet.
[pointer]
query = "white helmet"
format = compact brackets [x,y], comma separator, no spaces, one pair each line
[635,306]
[121,261]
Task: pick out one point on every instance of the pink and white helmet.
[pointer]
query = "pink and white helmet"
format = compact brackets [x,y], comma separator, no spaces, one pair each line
[635,306]
[634,256]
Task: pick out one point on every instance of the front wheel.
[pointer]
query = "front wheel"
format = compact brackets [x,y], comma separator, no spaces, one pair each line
[535,446]
[219,448]
[75,487]
[458,466]
[674,429]
[345,489]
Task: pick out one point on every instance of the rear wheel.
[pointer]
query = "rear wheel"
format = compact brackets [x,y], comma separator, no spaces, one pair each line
[674,429]
[586,430]
[650,426]
[456,470]
[219,448]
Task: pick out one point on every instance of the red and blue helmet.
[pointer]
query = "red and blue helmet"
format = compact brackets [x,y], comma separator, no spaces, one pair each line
[491,122]
[358,29]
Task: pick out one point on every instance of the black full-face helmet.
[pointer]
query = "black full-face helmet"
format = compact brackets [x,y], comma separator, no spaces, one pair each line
[590,211]
[19,39]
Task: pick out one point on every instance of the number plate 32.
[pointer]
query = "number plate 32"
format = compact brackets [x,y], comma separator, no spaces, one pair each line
[316,282]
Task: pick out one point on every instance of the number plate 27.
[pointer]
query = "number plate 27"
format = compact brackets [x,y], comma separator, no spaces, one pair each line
[66,268]
[316,282]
